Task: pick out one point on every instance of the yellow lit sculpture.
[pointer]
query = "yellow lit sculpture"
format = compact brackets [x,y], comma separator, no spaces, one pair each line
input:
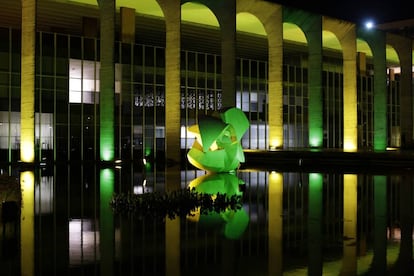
[217,147]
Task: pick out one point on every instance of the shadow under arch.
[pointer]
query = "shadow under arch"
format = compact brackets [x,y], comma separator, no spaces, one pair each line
[306,29]
[371,43]
[345,33]
[224,13]
[270,16]
[403,48]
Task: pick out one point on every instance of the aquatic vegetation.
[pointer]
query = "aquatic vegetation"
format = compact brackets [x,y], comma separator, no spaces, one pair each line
[179,203]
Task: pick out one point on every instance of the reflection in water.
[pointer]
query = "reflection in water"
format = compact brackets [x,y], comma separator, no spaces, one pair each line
[106,187]
[27,242]
[289,223]
[349,261]
[232,221]
[315,223]
[275,228]
[379,262]
[172,228]
[405,256]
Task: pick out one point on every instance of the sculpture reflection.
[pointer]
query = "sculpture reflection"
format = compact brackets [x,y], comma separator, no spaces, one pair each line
[233,222]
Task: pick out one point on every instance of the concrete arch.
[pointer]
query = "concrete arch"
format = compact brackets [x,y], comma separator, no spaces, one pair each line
[172,14]
[149,7]
[249,23]
[404,48]
[225,12]
[198,13]
[270,15]
[375,41]
[392,55]
[346,34]
[311,27]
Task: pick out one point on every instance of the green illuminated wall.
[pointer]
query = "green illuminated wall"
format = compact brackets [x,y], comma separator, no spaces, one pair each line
[311,25]
[376,40]
[107,80]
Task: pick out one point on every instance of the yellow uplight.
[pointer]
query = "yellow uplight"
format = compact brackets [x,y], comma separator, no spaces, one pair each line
[275,143]
[27,151]
[350,146]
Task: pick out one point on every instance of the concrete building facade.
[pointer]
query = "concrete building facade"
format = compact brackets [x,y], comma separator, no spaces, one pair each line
[106,80]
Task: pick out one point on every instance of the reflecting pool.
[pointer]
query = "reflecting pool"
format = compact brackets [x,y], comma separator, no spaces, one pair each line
[70,221]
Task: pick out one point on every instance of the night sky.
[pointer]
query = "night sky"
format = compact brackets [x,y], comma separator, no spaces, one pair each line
[357,11]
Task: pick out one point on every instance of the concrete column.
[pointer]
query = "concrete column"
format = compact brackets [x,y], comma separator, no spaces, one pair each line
[27,98]
[311,25]
[225,11]
[107,80]
[172,15]
[346,34]
[270,15]
[403,47]
[227,20]
[376,41]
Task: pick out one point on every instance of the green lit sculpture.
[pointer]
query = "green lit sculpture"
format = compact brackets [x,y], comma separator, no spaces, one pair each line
[217,146]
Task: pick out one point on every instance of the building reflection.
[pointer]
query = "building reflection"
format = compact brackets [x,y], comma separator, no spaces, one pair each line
[275,224]
[27,225]
[289,223]
[350,239]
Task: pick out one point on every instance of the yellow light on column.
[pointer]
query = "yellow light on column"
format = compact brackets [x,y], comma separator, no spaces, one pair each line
[350,127]
[350,146]
[350,114]
[275,143]
[27,80]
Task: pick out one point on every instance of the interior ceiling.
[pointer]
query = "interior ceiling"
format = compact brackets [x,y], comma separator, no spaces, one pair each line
[150,25]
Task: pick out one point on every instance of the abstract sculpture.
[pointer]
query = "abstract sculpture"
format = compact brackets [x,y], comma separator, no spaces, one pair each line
[217,146]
